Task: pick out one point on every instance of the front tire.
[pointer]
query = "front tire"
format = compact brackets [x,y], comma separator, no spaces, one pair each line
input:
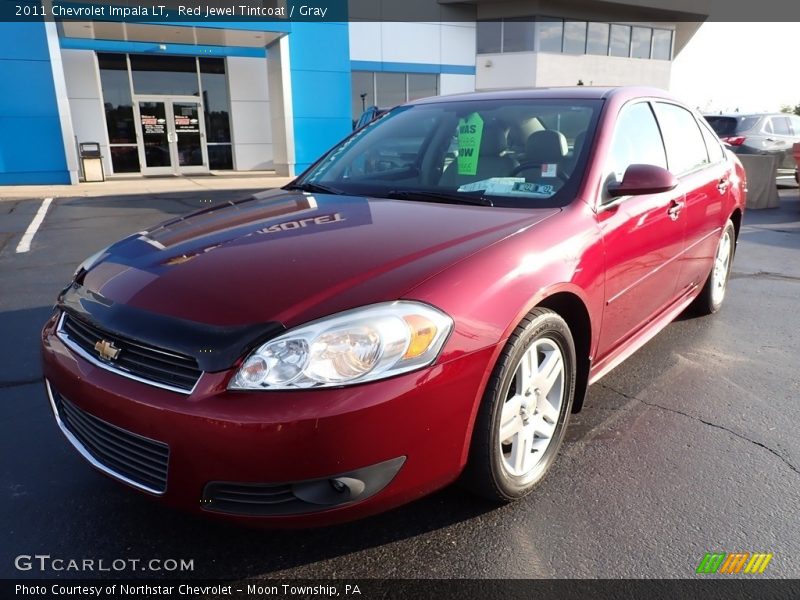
[525,409]
[713,294]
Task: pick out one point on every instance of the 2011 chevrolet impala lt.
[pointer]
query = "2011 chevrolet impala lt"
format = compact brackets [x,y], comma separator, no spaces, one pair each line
[426,303]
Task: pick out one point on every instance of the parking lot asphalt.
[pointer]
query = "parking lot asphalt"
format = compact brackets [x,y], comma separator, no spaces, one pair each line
[690,446]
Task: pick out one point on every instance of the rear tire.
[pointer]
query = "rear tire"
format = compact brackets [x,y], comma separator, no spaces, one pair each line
[713,294]
[525,409]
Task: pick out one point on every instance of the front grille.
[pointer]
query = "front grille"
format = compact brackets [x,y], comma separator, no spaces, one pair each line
[119,452]
[146,363]
[256,499]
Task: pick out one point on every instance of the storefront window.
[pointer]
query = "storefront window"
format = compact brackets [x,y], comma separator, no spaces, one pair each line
[220,157]
[489,36]
[620,40]
[662,44]
[640,44]
[597,40]
[363,92]
[549,33]
[422,85]
[119,112]
[125,159]
[574,37]
[217,112]
[391,88]
[174,75]
[518,35]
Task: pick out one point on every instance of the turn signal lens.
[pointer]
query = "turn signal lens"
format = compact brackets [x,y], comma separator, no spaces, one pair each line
[423,332]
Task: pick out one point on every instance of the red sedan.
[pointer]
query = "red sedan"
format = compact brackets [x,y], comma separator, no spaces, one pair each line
[428,302]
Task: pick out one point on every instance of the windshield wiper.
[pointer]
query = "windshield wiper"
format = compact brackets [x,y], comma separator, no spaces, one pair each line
[425,196]
[307,186]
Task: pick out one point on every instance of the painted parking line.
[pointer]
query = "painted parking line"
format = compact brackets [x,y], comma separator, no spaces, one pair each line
[25,243]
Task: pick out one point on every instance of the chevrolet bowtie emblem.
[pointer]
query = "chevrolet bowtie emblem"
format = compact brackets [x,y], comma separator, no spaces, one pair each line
[106,350]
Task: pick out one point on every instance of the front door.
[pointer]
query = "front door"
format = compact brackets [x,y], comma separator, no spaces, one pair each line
[644,236]
[171,135]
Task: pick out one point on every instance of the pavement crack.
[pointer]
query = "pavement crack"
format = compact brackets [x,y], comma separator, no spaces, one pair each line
[19,382]
[765,275]
[773,229]
[704,422]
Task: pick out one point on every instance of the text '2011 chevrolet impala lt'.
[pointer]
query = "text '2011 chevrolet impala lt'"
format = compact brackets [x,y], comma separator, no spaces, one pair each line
[426,303]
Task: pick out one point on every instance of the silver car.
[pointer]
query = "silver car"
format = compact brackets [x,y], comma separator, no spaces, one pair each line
[769,133]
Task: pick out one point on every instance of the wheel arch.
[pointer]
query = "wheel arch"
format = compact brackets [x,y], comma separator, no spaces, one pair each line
[736,219]
[572,309]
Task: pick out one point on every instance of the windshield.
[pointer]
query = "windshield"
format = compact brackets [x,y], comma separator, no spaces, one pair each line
[519,153]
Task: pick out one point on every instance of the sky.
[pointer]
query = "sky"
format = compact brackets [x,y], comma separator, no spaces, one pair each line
[750,66]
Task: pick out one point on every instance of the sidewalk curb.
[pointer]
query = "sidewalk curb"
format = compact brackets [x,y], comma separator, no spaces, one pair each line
[143,186]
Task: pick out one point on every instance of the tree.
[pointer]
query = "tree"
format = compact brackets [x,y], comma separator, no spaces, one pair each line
[791,109]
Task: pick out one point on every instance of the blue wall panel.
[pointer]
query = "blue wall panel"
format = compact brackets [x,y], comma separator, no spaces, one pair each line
[31,145]
[402,67]
[320,74]
[153,48]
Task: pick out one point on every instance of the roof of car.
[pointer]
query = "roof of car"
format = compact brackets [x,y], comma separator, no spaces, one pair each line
[576,92]
[743,115]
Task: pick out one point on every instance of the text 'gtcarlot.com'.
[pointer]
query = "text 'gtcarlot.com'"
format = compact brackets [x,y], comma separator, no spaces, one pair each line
[45,563]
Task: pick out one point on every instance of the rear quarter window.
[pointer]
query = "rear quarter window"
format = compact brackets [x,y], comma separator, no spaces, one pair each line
[716,153]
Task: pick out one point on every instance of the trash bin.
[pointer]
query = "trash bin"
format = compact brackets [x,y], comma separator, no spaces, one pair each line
[761,169]
[91,162]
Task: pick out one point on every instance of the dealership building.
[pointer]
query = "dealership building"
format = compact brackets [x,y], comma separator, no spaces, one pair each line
[197,97]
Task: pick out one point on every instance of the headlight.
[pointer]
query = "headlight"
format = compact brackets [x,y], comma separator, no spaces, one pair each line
[358,345]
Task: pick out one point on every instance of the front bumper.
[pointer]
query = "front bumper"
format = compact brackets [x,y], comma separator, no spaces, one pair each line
[419,424]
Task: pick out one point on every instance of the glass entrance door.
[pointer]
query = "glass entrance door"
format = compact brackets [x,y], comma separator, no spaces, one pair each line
[171,135]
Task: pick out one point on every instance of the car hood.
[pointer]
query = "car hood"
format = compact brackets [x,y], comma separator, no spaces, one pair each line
[289,257]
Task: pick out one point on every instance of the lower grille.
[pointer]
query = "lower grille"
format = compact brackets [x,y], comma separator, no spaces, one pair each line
[135,459]
[311,495]
[143,362]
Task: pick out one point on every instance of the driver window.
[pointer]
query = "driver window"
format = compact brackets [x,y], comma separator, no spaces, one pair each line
[637,140]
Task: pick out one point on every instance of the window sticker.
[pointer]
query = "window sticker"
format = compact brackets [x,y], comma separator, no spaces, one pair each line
[494,185]
[470,132]
[510,186]
[535,189]
[549,170]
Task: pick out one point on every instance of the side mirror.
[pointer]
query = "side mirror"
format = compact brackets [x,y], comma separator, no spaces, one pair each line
[643,179]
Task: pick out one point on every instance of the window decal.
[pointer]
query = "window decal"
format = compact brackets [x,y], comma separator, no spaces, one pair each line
[470,132]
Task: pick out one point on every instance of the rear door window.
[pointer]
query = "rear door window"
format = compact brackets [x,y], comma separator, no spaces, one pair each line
[780,126]
[686,148]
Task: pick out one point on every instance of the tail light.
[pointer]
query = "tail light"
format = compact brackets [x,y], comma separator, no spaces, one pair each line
[734,140]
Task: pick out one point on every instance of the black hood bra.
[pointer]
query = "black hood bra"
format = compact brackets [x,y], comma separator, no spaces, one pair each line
[214,348]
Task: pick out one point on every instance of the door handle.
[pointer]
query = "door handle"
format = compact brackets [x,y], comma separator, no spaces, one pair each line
[723,184]
[675,208]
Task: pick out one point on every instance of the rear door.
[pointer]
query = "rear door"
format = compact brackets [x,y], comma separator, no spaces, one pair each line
[695,156]
[780,140]
[643,235]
